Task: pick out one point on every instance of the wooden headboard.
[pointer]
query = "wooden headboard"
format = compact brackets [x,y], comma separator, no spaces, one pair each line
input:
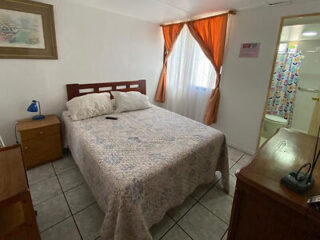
[76,90]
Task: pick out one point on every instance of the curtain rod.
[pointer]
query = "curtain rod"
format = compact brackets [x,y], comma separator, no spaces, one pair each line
[232,12]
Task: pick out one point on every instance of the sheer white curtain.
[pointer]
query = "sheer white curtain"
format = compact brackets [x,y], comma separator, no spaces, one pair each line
[190,78]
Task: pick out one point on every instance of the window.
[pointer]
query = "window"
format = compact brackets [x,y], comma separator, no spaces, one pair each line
[190,78]
[283,47]
[189,57]
[204,70]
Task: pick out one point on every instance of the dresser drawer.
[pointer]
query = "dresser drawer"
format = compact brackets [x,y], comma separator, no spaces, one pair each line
[40,132]
[42,149]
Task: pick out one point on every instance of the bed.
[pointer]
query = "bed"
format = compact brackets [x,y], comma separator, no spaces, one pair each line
[143,164]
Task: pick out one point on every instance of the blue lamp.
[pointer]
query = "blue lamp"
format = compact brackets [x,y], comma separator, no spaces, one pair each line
[34,108]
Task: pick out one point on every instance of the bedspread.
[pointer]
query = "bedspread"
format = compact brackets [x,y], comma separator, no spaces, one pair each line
[143,164]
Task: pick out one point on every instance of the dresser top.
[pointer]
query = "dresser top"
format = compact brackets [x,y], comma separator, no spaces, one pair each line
[12,174]
[286,151]
[29,124]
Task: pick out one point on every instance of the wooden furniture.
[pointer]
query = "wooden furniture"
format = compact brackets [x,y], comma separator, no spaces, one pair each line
[17,217]
[265,209]
[76,90]
[41,140]
[31,9]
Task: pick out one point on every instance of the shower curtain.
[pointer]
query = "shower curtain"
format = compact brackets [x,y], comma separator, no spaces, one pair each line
[284,85]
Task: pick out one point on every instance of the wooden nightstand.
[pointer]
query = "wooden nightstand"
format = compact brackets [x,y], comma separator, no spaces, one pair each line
[40,139]
[17,217]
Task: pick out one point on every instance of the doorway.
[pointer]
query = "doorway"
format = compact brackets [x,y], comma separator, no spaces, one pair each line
[293,96]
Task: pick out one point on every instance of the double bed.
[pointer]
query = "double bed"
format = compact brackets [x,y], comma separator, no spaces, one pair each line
[143,164]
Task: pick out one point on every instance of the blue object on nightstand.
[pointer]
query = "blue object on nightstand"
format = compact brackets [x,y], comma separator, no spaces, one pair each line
[34,108]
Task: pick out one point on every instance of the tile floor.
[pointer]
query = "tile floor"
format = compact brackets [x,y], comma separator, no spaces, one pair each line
[67,210]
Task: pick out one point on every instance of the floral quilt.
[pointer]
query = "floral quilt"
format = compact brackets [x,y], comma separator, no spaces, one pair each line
[143,164]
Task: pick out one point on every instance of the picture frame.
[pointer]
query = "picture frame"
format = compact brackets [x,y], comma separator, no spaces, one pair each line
[1,143]
[249,50]
[27,30]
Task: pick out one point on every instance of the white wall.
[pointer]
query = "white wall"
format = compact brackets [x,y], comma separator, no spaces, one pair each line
[97,46]
[93,46]
[309,78]
[245,81]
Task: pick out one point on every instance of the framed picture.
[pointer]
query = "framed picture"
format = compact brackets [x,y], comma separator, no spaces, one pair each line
[1,143]
[27,30]
[249,50]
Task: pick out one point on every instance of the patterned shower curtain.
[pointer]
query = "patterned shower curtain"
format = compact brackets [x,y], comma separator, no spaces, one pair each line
[284,85]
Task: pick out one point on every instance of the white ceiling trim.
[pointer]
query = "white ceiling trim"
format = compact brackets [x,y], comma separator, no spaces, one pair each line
[169,11]
[171,5]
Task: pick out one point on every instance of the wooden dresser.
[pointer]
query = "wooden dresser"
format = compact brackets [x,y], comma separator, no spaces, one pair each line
[17,217]
[263,208]
[40,139]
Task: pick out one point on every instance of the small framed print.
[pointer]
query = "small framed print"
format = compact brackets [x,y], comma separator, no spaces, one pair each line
[1,143]
[249,50]
[27,30]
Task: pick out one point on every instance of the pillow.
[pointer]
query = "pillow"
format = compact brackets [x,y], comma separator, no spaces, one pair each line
[89,105]
[130,101]
[113,102]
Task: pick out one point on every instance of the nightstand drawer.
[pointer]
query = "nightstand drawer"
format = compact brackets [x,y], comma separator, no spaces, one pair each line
[40,132]
[42,149]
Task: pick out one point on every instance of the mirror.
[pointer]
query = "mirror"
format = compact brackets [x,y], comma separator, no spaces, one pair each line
[293,96]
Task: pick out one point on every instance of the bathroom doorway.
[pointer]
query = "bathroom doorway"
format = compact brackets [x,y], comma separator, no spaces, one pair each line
[293,96]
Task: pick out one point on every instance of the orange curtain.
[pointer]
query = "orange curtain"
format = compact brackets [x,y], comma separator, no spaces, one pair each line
[210,33]
[170,34]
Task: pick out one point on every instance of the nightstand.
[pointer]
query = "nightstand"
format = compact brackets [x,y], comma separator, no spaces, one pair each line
[40,140]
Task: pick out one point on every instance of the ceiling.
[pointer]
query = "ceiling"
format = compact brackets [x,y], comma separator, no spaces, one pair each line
[164,11]
[294,28]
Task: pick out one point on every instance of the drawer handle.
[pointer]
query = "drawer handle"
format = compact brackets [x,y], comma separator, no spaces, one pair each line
[41,132]
[26,148]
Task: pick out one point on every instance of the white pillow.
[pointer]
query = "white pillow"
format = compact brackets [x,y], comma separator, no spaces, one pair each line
[113,102]
[89,105]
[130,101]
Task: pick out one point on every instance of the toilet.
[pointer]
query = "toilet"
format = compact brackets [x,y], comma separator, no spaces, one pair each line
[271,124]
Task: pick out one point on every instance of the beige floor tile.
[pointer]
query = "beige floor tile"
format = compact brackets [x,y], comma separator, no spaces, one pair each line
[234,154]
[218,203]
[40,173]
[231,163]
[201,190]
[44,190]
[54,215]
[201,224]
[246,158]
[64,164]
[178,212]
[159,229]
[225,236]
[63,230]
[176,233]
[52,212]
[243,162]
[89,222]
[79,198]
[70,179]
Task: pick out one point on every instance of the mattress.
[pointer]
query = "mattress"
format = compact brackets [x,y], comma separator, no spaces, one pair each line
[143,164]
